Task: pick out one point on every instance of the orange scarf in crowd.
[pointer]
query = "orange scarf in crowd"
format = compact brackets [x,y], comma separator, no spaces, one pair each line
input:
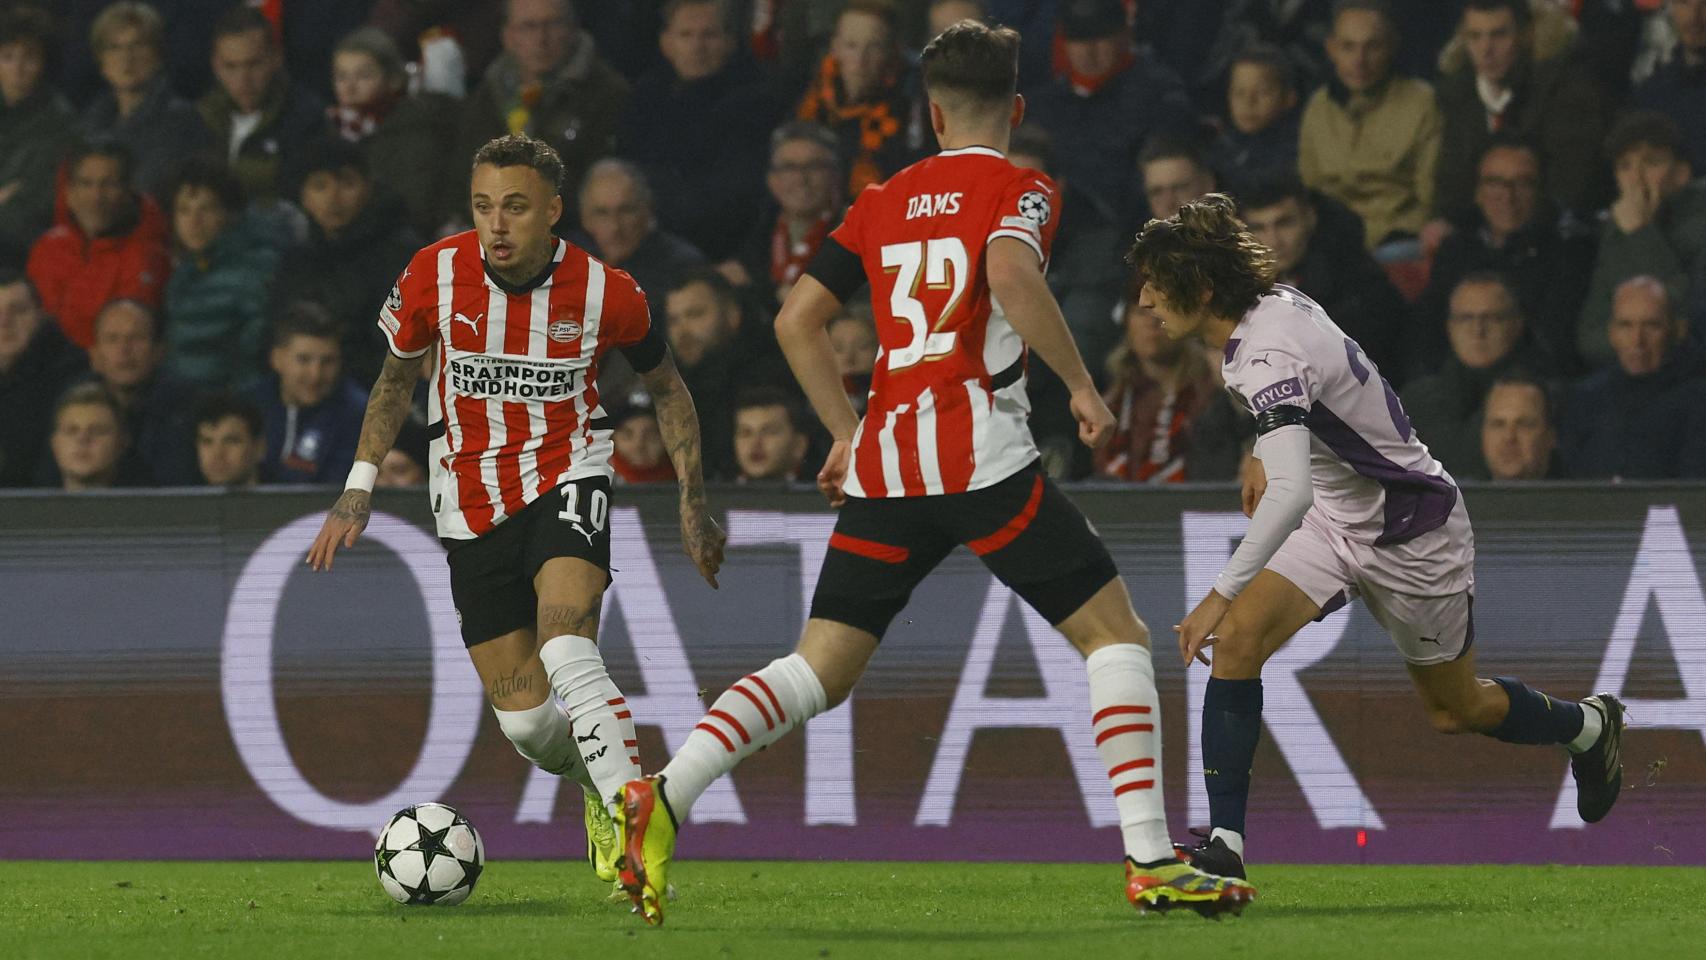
[876,119]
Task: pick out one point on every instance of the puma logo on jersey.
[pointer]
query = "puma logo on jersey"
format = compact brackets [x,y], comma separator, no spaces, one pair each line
[473,324]
[932,205]
[591,735]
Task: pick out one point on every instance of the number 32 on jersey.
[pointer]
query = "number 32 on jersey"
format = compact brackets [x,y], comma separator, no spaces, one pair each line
[943,263]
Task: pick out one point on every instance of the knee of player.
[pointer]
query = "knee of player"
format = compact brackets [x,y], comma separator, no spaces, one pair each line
[1237,642]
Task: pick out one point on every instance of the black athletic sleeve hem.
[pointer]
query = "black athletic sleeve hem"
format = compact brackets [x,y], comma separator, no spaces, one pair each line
[837,268]
[645,356]
[1281,415]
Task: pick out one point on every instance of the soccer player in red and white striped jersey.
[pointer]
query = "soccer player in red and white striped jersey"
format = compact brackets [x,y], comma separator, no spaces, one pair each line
[515,323]
[954,249]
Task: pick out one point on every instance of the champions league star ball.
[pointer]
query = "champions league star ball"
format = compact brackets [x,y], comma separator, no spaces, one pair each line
[429,854]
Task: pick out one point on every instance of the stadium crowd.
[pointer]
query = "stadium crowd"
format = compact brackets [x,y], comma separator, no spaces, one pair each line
[204,203]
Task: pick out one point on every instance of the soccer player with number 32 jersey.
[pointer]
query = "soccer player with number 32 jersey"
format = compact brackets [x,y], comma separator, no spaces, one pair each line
[954,249]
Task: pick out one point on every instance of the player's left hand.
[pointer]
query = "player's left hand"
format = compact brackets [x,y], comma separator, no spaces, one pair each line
[1197,631]
[833,477]
[702,540]
[1095,420]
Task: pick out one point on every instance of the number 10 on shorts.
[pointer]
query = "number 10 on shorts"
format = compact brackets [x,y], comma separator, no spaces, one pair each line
[597,509]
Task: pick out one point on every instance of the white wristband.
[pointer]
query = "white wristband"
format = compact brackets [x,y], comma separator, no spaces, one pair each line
[361,476]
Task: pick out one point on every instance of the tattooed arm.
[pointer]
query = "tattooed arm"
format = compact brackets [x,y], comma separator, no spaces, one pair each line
[701,538]
[387,406]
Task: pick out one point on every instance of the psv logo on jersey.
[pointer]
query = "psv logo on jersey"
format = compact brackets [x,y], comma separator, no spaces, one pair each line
[563,330]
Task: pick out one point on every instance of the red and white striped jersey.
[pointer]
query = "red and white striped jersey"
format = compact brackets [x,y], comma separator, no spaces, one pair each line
[947,410]
[517,382]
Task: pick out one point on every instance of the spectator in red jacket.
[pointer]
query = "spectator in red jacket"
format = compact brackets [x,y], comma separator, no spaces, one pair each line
[109,243]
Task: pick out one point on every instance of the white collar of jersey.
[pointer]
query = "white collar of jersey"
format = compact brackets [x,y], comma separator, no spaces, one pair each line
[981,151]
[557,256]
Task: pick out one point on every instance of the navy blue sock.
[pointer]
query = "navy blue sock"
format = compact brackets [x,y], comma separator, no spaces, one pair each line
[1231,727]
[1535,717]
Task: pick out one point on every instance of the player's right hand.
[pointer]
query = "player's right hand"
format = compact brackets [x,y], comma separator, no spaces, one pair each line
[1095,420]
[344,524]
[833,476]
[1255,478]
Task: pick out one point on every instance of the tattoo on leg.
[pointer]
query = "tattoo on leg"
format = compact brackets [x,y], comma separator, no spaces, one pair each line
[505,687]
[558,619]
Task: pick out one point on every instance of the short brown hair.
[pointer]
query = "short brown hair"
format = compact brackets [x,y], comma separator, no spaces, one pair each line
[521,150]
[306,318]
[90,394]
[128,15]
[1204,248]
[975,61]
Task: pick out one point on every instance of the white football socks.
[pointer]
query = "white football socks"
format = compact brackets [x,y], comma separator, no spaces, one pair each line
[1126,717]
[1593,723]
[1234,839]
[543,735]
[748,717]
[603,726]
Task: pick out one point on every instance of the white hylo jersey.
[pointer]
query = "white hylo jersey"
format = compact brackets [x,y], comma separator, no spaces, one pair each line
[1374,480]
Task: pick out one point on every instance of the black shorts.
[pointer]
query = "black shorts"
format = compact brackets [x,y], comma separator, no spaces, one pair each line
[1024,529]
[491,576]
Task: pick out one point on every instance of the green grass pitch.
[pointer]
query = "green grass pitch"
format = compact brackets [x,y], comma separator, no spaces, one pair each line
[848,910]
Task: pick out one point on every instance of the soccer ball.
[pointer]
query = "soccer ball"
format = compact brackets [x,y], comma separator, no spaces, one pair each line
[429,854]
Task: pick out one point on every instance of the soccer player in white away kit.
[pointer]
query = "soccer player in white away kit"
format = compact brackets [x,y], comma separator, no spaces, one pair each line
[1344,501]
[516,322]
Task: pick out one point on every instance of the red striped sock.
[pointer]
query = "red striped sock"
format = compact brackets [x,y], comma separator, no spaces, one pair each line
[752,714]
[1126,718]
[603,724]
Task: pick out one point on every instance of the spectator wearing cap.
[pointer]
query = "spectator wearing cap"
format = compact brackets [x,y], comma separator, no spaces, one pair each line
[1112,97]
[1677,88]
[1515,230]
[35,125]
[405,464]
[867,95]
[1369,139]
[36,365]
[217,296]
[125,360]
[770,436]
[1636,419]
[1489,337]
[1518,437]
[807,198]
[1656,226]
[138,107]
[89,442]
[1323,256]
[230,441]
[1505,87]
[311,410]
[698,125]
[639,456]
[1259,141]
[359,240]
[254,114]
[619,225]
[402,135]
[549,83]
[109,243]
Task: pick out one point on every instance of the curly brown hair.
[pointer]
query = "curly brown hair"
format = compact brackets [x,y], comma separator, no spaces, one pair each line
[1204,248]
